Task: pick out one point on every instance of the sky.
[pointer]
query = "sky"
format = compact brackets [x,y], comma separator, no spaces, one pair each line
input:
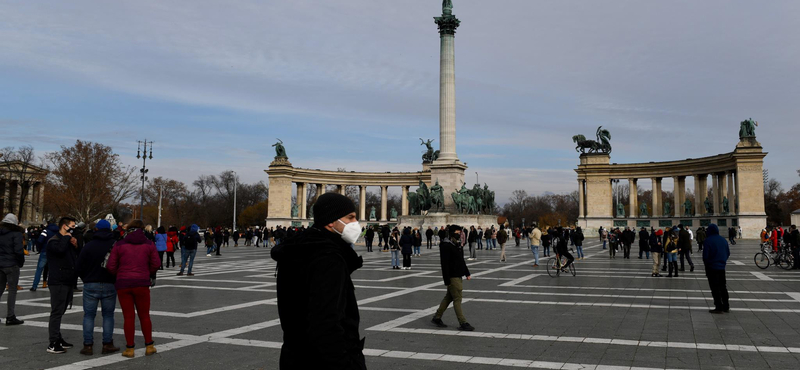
[353,84]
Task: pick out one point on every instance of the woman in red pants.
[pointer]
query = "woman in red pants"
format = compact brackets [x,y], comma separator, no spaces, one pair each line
[134,260]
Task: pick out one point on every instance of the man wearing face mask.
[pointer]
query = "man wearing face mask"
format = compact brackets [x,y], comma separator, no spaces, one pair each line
[453,268]
[316,298]
[61,257]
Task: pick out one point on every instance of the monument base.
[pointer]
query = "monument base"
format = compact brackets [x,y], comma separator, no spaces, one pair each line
[443,219]
[751,224]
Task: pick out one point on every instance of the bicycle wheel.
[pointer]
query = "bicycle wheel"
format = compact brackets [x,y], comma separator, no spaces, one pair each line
[572,269]
[785,261]
[762,260]
[552,269]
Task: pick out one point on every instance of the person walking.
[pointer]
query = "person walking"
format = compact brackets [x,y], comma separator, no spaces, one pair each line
[219,239]
[226,234]
[732,236]
[12,258]
[173,243]
[316,299]
[236,238]
[473,245]
[516,237]
[61,258]
[671,252]
[41,266]
[98,288]
[208,238]
[394,247]
[547,239]
[536,242]
[603,236]
[502,238]
[577,239]
[494,237]
[715,256]
[189,249]
[657,248]
[701,237]
[480,238]
[627,241]
[429,237]
[644,243]
[795,247]
[134,261]
[406,245]
[161,244]
[417,242]
[453,268]
[685,246]
[369,236]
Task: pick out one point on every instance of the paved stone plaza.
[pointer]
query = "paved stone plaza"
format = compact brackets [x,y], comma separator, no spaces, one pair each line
[613,315]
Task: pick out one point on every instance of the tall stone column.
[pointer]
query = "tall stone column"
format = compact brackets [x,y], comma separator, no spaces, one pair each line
[731,195]
[581,196]
[343,189]
[18,201]
[301,199]
[679,194]
[6,197]
[384,202]
[698,194]
[715,201]
[28,204]
[37,200]
[723,190]
[404,201]
[362,202]
[324,189]
[633,198]
[656,210]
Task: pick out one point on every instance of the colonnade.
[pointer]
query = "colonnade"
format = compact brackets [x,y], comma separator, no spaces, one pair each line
[724,185]
[12,192]
[363,213]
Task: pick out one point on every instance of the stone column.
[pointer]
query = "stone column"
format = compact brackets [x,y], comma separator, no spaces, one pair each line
[41,202]
[679,194]
[723,190]
[343,189]
[280,193]
[447,87]
[633,198]
[28,205]
[324,189]
[715,201]
[731,194]
[404,201]
[6,197]
[701,198]
[656,210]
[18,201]
[37,206]
[580,199]
[301,199]
[384,202]
[362,202]
[698,195]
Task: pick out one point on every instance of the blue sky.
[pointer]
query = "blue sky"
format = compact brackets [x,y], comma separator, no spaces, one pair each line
[354,83]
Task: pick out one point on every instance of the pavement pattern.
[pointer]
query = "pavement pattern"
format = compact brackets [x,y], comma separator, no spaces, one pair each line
[612,315]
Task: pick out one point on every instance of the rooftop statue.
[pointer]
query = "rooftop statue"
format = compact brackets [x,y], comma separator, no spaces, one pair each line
[747,128]
[447,7]
[430,155]
[280,151]
[602,145]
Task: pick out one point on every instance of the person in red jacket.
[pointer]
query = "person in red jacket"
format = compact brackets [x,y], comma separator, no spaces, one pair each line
[134,260]
[172,244]
[773,239]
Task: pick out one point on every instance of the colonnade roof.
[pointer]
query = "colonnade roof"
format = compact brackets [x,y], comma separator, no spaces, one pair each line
[688,167]
[304,175]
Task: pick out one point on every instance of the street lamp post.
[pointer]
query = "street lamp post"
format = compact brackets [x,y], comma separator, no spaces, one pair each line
[234,201]
[143,148]
[160,190]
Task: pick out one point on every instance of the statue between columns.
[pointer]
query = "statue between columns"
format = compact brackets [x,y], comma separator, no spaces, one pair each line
[372,213]
[620,210]
[667,209]
[643,210]
[393,214]
[687,208]
[726,207]
[709,206]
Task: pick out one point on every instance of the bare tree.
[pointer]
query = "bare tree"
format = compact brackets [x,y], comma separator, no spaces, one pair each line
[87,180]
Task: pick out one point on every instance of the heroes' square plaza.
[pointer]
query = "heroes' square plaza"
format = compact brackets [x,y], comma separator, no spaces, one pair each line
[611,315]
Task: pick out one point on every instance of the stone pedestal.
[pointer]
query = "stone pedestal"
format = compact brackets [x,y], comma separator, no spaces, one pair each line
[280,191]
[440,219]
[450,175]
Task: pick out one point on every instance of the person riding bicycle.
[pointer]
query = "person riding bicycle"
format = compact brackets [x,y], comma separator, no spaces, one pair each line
[561,249]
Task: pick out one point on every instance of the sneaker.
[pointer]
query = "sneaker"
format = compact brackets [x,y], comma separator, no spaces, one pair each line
[438,322]
[13,320]
[64,344]
[208,255]
[56,348]
[466,327]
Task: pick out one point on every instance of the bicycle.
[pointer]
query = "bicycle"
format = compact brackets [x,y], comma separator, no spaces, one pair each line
[554,265]
[783,258]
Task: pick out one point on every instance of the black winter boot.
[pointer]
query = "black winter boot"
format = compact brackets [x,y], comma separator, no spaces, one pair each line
[676,268]
[670,269]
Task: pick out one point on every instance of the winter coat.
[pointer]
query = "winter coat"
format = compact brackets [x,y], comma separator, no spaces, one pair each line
[502,236]
[406,242]
[451,258]
[192,238]
[45,236]
[92,255]
[655,243]
[429,234]
[577,238]
[644,240]
[316,302]
[417,239]
[133,260]
[161,242]
[685,240]
[12,252]
[61,259]
[715,249]
[701,236]
[172,241]
[472,237]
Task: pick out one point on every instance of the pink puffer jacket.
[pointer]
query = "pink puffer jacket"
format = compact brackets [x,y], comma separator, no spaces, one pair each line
[133,259]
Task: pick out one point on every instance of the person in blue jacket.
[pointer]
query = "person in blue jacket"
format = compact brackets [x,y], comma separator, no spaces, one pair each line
[715,257]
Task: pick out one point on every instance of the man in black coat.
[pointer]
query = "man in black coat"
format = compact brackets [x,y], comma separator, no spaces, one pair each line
[61,258]
[12,258]
[685,247]
[627,240]
[429,237]
[453,268]
[644,243]
[369,236]
[316,298]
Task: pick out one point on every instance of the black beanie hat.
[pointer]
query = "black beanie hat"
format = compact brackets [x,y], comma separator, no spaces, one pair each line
[452,229]
[331,207]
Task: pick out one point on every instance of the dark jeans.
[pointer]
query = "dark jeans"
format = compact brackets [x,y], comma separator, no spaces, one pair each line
[796,254]
[719,289]
[688,256]
[368,242]
[161,257]
[60,295]
[188,258]
[10,276]
[106,295]
[430,243]
[40,265]
[406,260]
[626,250]
[171,257]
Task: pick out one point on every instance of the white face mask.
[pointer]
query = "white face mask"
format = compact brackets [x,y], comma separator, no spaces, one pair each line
[351,231]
